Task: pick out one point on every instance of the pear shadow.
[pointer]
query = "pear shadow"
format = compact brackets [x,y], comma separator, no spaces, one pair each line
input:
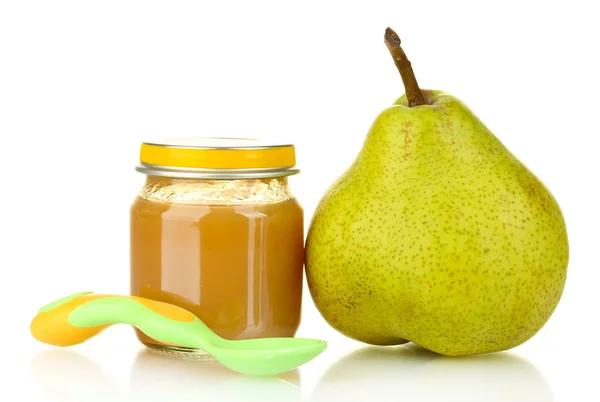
[66,375]
[412,373]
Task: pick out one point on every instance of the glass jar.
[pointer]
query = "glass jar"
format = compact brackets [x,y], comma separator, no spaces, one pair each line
[216,230]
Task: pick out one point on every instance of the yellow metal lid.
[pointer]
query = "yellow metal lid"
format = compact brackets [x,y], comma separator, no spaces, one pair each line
[217,158]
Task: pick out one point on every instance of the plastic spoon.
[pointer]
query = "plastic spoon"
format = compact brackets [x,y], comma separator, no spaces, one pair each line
[76,318]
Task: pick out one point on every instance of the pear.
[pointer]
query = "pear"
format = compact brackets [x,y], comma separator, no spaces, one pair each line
[436,234]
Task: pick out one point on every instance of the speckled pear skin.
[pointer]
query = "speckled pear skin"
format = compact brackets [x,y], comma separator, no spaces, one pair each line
[438,235]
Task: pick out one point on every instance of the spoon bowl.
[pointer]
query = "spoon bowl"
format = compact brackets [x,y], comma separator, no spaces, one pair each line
[267,356]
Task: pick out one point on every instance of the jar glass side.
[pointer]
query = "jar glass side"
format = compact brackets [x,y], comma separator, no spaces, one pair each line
[229,251]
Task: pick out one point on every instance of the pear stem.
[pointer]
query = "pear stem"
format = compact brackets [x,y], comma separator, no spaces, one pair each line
[411,87]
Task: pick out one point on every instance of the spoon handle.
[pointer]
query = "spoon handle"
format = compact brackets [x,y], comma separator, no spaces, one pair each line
[76,318]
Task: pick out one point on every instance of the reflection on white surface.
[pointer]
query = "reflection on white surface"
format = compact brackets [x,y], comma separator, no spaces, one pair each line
[373,374]
[411,373]
[65,375]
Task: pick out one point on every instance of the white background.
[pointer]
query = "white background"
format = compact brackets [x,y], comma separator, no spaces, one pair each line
[82,83]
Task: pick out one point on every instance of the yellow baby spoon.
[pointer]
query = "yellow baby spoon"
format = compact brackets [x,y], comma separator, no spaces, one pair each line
[76,318]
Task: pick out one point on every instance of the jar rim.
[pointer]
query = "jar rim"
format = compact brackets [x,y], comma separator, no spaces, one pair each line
[216,174]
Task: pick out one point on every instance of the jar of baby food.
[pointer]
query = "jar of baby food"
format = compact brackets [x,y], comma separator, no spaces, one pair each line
[216,230]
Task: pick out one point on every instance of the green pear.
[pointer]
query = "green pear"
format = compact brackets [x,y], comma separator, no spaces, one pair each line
[436,234]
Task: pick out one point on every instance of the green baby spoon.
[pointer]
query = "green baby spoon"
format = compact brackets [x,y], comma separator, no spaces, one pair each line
[76,318]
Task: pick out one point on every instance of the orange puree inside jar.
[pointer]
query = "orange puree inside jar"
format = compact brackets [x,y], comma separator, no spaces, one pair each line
[229,252]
